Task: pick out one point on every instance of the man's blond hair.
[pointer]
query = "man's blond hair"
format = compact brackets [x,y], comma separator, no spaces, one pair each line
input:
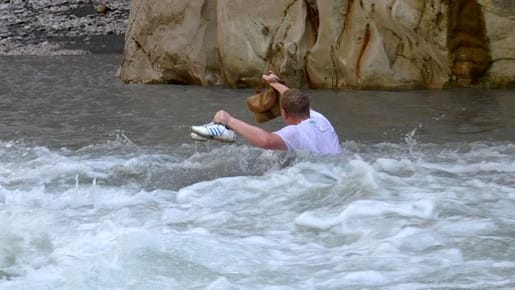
[295,103]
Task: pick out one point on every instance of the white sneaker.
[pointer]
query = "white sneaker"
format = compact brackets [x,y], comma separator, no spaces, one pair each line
[215,131]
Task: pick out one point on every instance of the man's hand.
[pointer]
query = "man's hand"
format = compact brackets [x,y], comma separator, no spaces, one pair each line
[222,117]
[273,80]
[270,77]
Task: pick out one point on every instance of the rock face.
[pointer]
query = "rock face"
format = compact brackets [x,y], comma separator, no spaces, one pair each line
[171,41]
[377,44]
[499,17]
[322,43]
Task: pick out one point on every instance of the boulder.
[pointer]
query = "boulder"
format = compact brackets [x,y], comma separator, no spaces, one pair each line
[499,17]
[171,41]
[365,44]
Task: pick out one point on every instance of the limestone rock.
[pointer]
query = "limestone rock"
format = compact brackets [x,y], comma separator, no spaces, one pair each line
[322,44]
[261,34]
[380,44]
[500,26]
[171,41]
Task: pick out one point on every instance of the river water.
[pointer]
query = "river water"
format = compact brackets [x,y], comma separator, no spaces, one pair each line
[102,188]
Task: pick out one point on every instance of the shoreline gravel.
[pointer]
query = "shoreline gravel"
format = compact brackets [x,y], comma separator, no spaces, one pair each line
[62,27]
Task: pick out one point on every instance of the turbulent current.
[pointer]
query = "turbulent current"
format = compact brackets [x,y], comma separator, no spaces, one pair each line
[102,188]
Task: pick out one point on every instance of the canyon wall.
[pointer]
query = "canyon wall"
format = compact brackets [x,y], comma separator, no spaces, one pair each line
[361,44]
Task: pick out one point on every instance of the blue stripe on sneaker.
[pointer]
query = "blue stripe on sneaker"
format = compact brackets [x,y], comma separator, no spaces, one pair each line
[215,131]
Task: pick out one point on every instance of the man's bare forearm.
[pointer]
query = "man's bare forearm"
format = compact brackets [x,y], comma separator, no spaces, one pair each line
[255,135]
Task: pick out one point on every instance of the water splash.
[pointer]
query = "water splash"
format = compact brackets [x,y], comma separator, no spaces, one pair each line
[121,138]
[409,139]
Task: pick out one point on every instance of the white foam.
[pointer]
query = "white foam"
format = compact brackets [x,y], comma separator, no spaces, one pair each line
[373,220]
[366,278]
[362,208]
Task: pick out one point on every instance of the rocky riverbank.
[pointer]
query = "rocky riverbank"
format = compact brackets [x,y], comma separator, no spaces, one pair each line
[60,27]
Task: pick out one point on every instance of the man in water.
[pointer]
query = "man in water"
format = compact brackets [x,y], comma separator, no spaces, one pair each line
[305,130]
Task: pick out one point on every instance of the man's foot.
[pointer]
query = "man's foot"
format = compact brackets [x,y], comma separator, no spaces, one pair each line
[215,131]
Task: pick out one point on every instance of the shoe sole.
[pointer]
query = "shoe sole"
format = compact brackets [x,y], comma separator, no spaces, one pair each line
[217,138]
[197,137]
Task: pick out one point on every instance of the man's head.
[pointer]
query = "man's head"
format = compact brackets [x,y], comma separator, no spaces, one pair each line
[295,105]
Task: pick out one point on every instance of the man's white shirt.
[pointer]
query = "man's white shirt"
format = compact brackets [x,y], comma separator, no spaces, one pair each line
[315,135]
